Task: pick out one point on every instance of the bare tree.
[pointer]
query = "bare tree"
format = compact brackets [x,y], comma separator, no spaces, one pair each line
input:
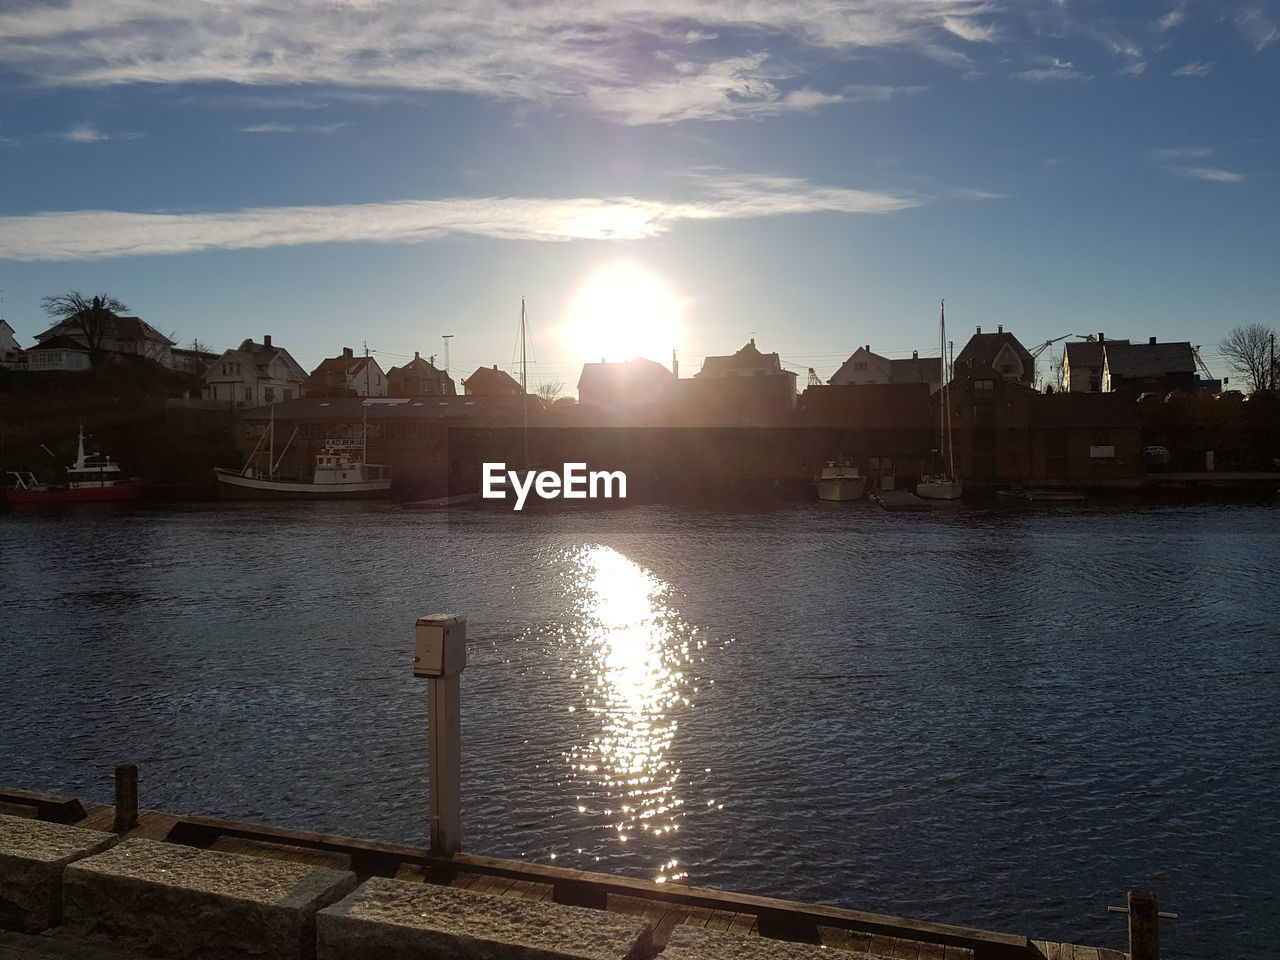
[549,391]
[1247,350]
[89,315]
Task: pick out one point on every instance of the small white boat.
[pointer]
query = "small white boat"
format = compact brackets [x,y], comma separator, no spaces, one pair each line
[340,474]
[840,480]
[939,488]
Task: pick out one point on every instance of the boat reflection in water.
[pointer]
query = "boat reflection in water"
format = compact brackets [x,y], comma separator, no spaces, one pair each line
[635,649]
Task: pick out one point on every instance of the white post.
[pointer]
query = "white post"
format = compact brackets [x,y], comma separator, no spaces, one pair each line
[440,655]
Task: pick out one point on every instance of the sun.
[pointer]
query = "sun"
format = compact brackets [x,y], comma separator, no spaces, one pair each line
[623,311]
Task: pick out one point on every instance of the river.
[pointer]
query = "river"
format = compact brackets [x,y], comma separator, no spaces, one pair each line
[992,716]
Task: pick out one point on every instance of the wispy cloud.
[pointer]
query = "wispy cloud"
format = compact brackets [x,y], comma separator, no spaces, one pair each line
[1135,69]
[1055,71]
[87,133]
[1209,173]
[1197,68]
[1182,153]
[1174,18]
[1257,28]
[968,193]
[295,128]
[88,234]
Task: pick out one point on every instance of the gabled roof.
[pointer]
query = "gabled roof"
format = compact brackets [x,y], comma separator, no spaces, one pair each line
[916,370]
[1149,359]
[491,378]
[418,367]
[1086,353]
[747,358]
[342,367]
[983,348]
[635,372]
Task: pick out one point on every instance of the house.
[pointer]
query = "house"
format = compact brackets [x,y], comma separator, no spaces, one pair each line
[1000,352]
[747,388]
[867,367]
[637,391]
[254,374]
[193,362]
[491,382]
[113,334]
[1132,369]
[1082,365]
[58,353]
[347,376]
[419,378]
[1085,439]
[10,352]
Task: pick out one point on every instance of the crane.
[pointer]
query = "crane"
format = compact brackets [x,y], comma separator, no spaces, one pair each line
[814,379]
[1041,348]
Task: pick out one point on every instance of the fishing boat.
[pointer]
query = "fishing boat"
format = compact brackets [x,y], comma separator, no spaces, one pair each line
[341,473]
[945,485]
[93,478]
[841,481]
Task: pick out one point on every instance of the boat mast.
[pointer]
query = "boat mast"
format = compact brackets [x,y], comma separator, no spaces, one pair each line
[945,424]
[524,384]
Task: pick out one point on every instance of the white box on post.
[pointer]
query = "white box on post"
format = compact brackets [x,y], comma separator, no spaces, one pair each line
[440,645]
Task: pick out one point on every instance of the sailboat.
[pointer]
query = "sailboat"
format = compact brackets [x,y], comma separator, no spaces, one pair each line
[943,486]
[340,473]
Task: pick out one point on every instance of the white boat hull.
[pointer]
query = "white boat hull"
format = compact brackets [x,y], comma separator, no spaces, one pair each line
[940,489]
[237,486]
[841,488]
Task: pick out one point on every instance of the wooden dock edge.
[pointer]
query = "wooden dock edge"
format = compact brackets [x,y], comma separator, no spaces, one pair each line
[784,919]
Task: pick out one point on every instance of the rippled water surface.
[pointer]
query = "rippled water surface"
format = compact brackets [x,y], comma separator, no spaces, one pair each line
[1001,718]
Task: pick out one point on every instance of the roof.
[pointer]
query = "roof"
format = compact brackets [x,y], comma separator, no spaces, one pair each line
[1085,353]
[982,349]
[383,409]
[114,327]
[1082,411]
[1149,359]
[492,377]
[59,343]
[747,358]
[916,370]
[418,367]
[635,372]
[342,366]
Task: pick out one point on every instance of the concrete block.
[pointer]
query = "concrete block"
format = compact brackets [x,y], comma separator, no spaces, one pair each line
[694,943]
[33,854]
[394,920]
[176,901]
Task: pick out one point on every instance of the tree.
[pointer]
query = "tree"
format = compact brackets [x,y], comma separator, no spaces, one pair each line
[1248,351]
[89,315]
[549,391]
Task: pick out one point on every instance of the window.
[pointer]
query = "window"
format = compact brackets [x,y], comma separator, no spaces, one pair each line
[248,393]
[860,366]
[269,394]
[984,386]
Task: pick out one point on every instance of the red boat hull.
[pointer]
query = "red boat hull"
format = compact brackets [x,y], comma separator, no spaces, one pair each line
[114,493]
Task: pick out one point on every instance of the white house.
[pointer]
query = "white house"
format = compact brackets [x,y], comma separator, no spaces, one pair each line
[10,351]
[58,353]
[130,336]
[254,375]
[346,376]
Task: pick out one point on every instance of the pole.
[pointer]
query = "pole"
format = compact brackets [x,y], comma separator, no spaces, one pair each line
[126,798]
[1144,926]
[446,338]
[440,643]
[524,386]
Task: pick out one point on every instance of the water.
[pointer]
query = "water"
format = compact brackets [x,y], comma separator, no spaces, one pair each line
[995,717]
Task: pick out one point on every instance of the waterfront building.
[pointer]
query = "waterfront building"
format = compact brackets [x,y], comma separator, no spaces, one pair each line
[865,367]
[887,430]
[1132,369]
[254,374]
[638,391]
[491,382]
[112,334]
[747,388]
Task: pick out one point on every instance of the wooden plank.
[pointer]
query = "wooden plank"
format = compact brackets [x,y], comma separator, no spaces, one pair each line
[932,951]
[719,920]
[904,949]
[1083,953]
[745,924]
[957,953]
[48,806]
[1106,954]
[19,810]
[662,929]
[496,886]
[697,917]
[882,945]
[279,851]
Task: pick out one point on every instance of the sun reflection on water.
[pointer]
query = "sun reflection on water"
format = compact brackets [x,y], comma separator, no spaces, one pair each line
[635,649]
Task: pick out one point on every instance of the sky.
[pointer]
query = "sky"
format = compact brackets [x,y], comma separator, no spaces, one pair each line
[648,175]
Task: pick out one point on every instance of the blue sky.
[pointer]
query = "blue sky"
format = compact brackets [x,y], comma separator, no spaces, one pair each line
[818,174]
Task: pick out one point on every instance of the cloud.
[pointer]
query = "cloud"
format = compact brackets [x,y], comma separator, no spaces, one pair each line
[968,193]
[294,128]
[1209,173]
[1173,18]
[91,234]
[701,59]
[1057,70]
[87,133]
[1257,29]
[1197,68]
[1183,153]
[1135,69]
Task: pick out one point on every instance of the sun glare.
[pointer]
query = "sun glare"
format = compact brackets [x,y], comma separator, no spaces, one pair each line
[622,312]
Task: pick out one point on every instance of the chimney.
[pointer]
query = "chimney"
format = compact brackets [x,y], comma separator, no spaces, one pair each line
[346,353]
[675,366]
[266,340]
[1151,340]
[1000,328]
[1101,337]
[915,354]
[979,329]
[416,355]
